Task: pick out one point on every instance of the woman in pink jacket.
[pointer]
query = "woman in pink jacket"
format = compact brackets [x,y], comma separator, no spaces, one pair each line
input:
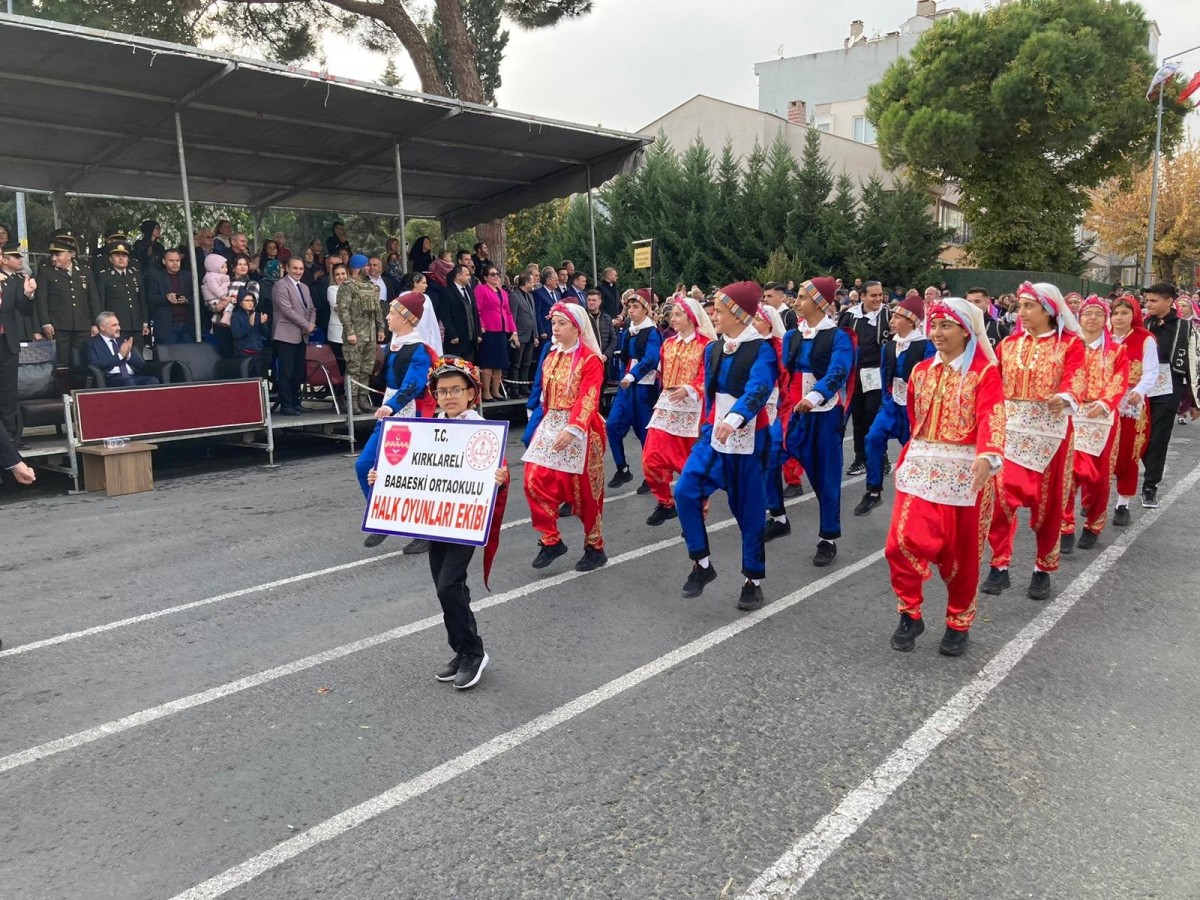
[496,319]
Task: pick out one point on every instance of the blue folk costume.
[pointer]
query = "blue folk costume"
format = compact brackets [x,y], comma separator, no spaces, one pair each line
[641,346]
[820,362]
[739,376]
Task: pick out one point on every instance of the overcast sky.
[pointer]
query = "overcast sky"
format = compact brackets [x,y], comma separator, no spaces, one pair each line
[631,61]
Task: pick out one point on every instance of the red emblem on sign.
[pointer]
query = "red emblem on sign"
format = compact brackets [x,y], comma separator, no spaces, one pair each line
[482,449]
[396,442]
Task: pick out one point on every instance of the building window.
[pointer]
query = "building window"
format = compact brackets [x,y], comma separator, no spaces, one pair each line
[864,131]
[823,122]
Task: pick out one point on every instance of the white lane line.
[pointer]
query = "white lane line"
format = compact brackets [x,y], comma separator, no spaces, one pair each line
[407,790]
[790,872]
[153,714]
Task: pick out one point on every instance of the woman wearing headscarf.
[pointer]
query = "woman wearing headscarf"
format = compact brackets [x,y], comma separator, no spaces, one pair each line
[565,459]
[420,255]
[1128,328]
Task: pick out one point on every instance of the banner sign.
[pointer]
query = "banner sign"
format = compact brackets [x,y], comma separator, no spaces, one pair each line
[436,479]
[642,256]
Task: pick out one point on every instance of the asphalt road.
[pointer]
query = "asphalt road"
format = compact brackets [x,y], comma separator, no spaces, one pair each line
[215,690]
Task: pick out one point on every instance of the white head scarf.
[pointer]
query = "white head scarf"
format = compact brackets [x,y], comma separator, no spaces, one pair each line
[1062,312]
[970,317]
[771,315]
[428,328]
[699,317]
[579,318]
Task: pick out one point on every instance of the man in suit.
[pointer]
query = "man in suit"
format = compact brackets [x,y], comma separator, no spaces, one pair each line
[169,299]
[578,289]
[460,316]
[545,297]
[118,359]
[120,290]
[610,293]
[295,319]
[16,300]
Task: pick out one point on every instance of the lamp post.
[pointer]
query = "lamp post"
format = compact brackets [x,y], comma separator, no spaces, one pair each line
[1148,273]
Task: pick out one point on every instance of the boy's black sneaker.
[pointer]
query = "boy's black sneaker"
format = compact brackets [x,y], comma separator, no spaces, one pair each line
[1087,540]
[1150,498]
[470,671]
[869,501]
[548,554]
[374,540]
[1121,516]
[623,476]
[858,467]
[449,670]
[774,528]
[591,559]
[643,488]
[1039,586]
[1066,544]
[700,576]
[661,514]
[996,582]
[826,553]
[904,638]
[751,597]
[954,643]
[793,491]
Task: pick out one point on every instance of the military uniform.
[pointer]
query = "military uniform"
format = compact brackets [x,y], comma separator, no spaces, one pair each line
[67,299]
[121,292]
[358,308]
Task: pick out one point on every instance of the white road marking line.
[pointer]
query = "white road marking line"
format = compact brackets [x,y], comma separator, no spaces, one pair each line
[407,790]
[788,874]
[153,714]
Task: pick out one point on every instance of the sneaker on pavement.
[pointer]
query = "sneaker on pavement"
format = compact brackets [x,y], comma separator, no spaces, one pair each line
[416,546]
[643,488]
[449,670]
[826,553]
[1087,540]
[1150,498]
[792,491]
[548,554]
[997,582]
[774,528]
[1039,586]
[374,540]
[904,638]
[1121,516]
[661,514]
[954,643]
[470,671]
[869,501]
[1066,544]
[591,559]
[694,586]
[622,476]
[858,467]
[751,596]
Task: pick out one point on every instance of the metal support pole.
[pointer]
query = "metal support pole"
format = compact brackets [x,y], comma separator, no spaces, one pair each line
[187,218]
[403,222]
[22,224]
[1148,274]
[55,210]
[592,225]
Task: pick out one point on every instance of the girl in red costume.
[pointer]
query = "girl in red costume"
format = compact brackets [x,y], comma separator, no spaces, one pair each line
[1128,328]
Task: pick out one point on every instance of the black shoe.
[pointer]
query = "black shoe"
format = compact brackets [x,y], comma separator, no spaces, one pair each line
[591,559]
[700,576]
[792,491]
[826,553]
[623,476]
[1039,586]
[996,582]
[289,411]
[548,554]
[661,514]
[1150,498]
[904,638]
[374,540]
[24,445]
[413,547]
[954,643]
[1121,516]
[867,503]
[775,528]
[1087,540]
[470,671]
[643,488]
[1066,544]
[449,670]
[887,466]
[751,597]
[858,467]
[565,509]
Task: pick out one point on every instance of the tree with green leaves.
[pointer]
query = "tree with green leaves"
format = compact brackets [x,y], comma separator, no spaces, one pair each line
[1026,106]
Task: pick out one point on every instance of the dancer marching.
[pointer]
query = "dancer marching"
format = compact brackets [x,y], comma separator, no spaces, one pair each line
[944,485]
[740,370]
[1042,371]
[1134,426]
[769,323]
[565,459]
[675,424]
[640,347]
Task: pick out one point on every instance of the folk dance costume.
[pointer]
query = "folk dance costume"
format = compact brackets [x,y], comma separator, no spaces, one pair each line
[819,357]
[675,425]
[565,459]
[740,370]
[900,356]
[1178,374]
[1105,381]
[955,410]
[632,407]
[1134,425]
[769,324]
[1037,447]
[871,336]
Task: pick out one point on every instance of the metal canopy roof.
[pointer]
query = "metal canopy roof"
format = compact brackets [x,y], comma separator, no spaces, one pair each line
[92,113]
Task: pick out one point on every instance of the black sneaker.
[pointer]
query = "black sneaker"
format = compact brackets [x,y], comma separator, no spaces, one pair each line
[887,465]
[700,576]
[1088,539]
[591,559]
[623,476]
[954,643]
[751,597]
[996,582]
[867,503]
[374,540]
[548,554]
[826,553]
[1066,544]
[661,514]
[414,547]
[904,638]
[470,671]
[643,488]
[858,467]
[774,528]
[1121,516]
[792,491]
[565,509]
[1039,586]
[1150,498]
[449,670]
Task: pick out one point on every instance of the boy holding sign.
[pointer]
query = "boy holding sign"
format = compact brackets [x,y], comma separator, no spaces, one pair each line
[455,384]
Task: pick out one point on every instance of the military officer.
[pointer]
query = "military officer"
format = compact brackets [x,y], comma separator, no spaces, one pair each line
[121,291]
[362,329]
[67,301]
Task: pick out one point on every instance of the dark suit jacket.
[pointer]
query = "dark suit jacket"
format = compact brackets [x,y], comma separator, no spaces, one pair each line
[543,302]
[14,303]
[610,298]
[452,313]
[97,352]
[158,285]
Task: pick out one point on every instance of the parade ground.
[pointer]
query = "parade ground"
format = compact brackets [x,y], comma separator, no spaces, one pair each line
[214,690]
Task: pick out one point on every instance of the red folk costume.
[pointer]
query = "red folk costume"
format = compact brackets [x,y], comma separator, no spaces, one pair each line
[572,380]
[1134,426]
[675,425]
[956,414]
[1105,381]
[1037,446]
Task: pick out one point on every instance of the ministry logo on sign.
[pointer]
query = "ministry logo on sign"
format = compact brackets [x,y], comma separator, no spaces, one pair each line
[482,449]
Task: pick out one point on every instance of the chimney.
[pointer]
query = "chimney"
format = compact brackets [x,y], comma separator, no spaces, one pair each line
[797,114]
[856,30]
[927,8]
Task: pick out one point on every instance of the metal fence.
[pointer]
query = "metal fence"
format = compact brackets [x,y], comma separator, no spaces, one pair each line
[1003,281]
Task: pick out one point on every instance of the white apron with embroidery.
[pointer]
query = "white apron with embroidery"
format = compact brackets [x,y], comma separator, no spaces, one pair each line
[870,379]
[680,418]
[808,383]
[939,473]
[900,392]
[1033,434]
[1092,434]
[541,449]
[1164,384]
[408,411]
[741,442]
[771,407]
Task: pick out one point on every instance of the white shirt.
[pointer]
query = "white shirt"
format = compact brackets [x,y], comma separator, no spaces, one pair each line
[381,286]
[334,332]
[1149,365]
[115,347]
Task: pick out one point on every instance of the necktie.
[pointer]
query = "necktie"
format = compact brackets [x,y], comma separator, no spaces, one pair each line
[121,365]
